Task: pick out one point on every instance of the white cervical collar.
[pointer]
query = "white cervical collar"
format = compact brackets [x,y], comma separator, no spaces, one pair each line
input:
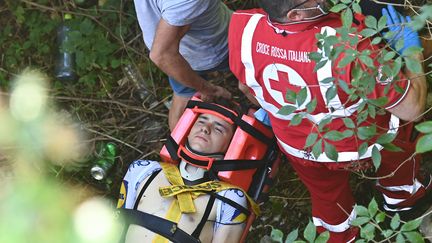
[192,172]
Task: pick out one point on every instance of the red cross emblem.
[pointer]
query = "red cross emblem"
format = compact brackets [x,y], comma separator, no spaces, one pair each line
[283,84]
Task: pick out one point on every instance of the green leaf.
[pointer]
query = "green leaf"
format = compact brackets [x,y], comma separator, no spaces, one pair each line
[387,233]
[391,147]
[400,238]
[330,151]
[411,225]
[380,102]
[348,123]
[356,7]
[347,17]
[330,93]
[363,148]
[291,96]
[389,55]
[376,40]
[317,149]
[297,119]
[347,133]
[386,138]
[310,107]
[424,144]
[360,221]
[368,232]
[382,23]
[115,63]
[367,60]
[366,132]
[345,87]
[323,237]
[376,157]
[412,50]
[301,96]
[414,237]
[395,222]
[338,7]
[310,140]
[413,65]
[397,65]
[356,72]
[371,111]
[372,207]
[399,44]
[361,210]
[348,58]
[276,235]
[310,232]
[334,135]
[323,123]
[424,127]
[315,56]
[286,110]
[368,32]
[327,80]
[353,41]
[331,40]
[380,217]
[320,64]
[371,22]
[292,236]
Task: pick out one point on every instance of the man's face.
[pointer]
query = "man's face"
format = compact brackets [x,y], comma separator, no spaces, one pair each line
[210,134]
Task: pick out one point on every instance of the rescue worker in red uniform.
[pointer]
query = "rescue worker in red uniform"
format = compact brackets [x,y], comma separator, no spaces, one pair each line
[269,54]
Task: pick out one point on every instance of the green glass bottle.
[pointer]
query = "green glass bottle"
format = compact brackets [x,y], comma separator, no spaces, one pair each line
[107,155]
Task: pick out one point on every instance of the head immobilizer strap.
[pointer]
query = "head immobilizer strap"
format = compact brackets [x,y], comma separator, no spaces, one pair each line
[177,151]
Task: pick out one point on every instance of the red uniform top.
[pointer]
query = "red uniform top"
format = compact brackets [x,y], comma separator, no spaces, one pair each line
[271,58]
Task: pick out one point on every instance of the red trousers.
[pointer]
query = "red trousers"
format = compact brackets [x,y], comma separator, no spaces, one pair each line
[331,195]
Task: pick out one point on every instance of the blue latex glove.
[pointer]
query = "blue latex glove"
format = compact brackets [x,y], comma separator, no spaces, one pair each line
[262,116]
[398,24]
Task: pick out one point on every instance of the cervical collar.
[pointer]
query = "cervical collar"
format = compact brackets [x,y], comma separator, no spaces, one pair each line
[195,173]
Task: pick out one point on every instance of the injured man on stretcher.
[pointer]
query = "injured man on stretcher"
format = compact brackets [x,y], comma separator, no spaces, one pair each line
[199,192]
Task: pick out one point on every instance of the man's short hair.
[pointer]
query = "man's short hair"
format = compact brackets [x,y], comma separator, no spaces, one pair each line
[277,9]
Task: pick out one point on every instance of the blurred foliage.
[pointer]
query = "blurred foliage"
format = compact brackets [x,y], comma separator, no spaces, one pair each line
[34,205]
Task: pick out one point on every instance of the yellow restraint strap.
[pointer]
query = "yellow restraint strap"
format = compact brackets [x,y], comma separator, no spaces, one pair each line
[185,195]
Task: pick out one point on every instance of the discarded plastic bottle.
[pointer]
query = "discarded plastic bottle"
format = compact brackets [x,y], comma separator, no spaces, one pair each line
[65,65]
[107,156]
[134,75]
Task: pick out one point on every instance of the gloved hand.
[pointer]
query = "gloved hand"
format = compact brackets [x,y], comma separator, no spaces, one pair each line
[398,24]
[262,116]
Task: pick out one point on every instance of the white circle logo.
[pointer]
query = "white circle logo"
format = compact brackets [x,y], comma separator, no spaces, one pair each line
[278,78]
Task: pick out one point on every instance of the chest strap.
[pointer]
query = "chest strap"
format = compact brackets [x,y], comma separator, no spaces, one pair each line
[185,193]
[200,226]
[144,188]
[158,225]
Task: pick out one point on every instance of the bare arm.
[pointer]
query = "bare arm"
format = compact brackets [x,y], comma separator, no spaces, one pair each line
[413,105]
[165,54]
